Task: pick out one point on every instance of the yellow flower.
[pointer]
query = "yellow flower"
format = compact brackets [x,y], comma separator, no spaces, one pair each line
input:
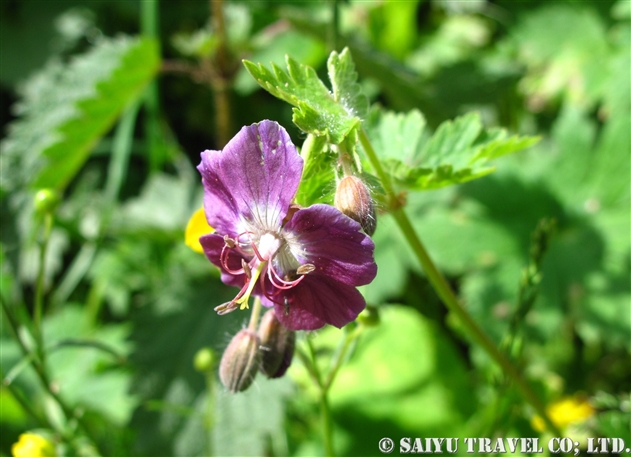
[32,445]
[196,227]
[564,412]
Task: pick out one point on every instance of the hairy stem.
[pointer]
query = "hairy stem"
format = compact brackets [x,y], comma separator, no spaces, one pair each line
[255,315]
[442,288]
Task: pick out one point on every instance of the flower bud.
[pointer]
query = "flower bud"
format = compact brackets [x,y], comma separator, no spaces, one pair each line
[369,317]
[204,360]
[46,201]
[277,345]
[240,361]
[353,199]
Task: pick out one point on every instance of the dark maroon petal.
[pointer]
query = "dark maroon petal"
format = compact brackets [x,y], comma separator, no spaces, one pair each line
[333,243]
[316,301]
[213,245]
[254,178]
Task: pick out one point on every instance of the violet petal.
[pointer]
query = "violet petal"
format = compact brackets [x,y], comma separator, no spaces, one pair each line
[316,301]
[254,178]
[333,243]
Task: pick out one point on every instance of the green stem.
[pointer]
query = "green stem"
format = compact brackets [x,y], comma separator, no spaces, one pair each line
[17,395]
[149,28]
[39,287]
[221,73]
[210,409]
[349,338]
[327,425]
[325,410]
[43,376]
[442,288]
[256,313]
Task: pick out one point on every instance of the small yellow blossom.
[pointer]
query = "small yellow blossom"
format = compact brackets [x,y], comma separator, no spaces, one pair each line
[196,227]
[564,412]
[32,445]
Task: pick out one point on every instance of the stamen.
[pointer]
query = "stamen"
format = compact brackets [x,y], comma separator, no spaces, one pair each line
[243,298]
[231,243]
[258,254]
[226,308]
[305,269]
[225,252]
[246,269]
[273,276]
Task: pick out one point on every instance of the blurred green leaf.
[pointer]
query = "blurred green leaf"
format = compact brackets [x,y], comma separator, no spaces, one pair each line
[273,47]
[316,110]
[410,366]
[393,26]
[66,108]
[570,64]
[252,422]
[457,152]
[85,374]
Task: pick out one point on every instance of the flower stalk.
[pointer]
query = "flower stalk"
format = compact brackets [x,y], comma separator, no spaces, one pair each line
[444,291]
[43,377]
[39,287]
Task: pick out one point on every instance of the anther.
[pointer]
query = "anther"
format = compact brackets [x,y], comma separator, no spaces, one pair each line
[246,269]
[226,308]
[305,269]
[231,243]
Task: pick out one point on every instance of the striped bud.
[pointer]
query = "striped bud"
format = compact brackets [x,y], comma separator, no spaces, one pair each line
[353,199]
[240,361]
[277,345]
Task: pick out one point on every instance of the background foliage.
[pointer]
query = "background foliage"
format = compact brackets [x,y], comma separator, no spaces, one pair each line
[111,109]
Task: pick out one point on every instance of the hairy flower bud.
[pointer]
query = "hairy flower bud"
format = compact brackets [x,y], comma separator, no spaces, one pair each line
[277,345]
[240,361]
[353,199]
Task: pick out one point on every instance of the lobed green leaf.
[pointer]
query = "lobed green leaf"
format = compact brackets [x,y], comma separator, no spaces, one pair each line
[68,107]
[457,152]
[317,110]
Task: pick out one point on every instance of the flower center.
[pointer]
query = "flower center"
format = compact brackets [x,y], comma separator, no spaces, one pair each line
[267,246]
[261,253]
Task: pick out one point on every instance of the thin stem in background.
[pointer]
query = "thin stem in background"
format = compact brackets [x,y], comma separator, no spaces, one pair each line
[43,376]
[325,409]
[349,338]
[149,24]
[442,288]
[334,30]
[220,82]
[40,286]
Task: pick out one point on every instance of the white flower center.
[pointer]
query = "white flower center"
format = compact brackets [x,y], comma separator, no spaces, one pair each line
[268,245]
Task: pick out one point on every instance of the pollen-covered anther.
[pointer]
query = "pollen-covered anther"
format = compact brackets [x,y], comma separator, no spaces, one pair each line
[226,308]
[246,269]
[305,269]
[231,243]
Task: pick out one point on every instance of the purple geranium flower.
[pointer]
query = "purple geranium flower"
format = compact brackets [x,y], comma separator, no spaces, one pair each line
[306,262]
